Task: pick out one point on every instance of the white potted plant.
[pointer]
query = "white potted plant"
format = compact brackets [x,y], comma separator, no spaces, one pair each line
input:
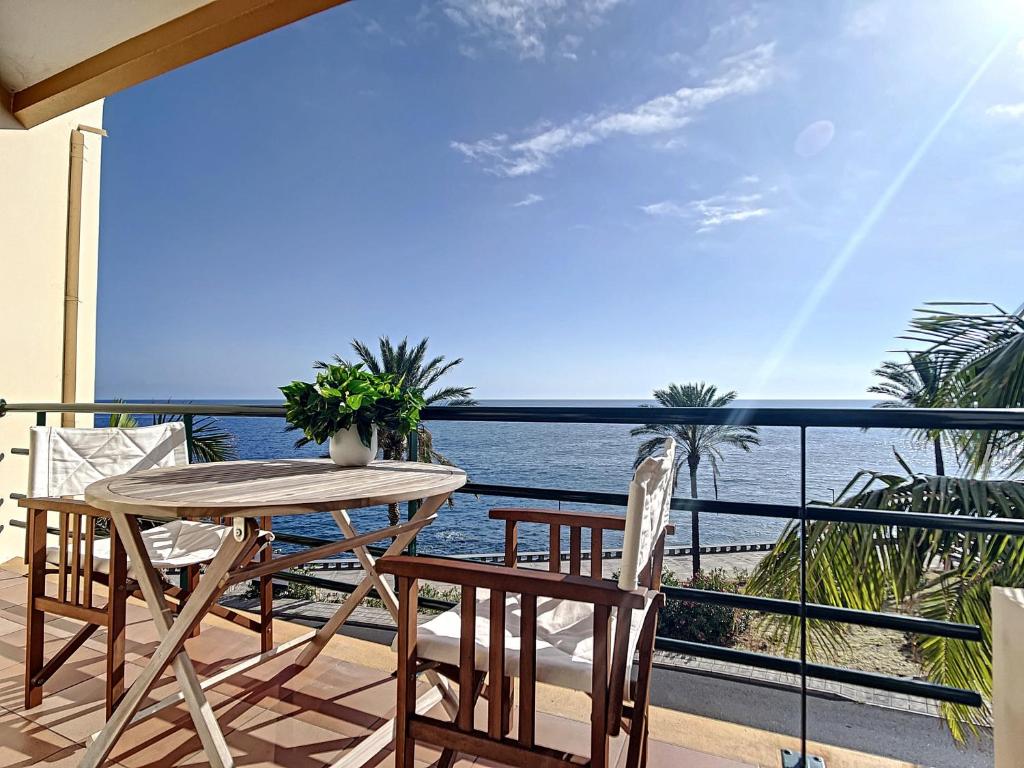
[344,407]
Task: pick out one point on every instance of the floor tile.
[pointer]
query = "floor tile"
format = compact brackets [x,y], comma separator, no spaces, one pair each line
[24,743]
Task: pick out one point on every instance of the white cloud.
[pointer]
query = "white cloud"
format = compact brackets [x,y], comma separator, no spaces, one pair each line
[523,25]
[868,20]
[568,47]
[711,213]
[530,199]
[738,25]
[1009,111]
[744,74]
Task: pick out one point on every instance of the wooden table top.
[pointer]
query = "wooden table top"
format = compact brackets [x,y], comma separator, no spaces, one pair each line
[272,487]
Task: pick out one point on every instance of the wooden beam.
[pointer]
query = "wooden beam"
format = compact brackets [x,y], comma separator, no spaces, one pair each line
[208,29]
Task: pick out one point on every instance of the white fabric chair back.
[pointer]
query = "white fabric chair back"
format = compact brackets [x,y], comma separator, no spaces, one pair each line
[647,513]
[63,461]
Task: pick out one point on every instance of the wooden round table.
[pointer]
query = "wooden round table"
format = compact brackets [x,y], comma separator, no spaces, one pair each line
[271,487]
[244,491]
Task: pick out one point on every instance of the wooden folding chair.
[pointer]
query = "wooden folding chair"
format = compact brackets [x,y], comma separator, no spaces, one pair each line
[570,630]
[88,552]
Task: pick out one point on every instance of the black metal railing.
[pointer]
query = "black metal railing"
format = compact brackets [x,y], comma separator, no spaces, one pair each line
[803,419]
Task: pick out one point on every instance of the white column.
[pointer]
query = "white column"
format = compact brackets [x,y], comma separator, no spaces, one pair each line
[1008,675]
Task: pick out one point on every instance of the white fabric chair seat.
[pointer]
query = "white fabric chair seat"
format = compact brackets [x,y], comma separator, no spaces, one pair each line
[565,638]
[176,544]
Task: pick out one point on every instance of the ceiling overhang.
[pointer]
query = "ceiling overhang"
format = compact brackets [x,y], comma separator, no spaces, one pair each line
[57,56]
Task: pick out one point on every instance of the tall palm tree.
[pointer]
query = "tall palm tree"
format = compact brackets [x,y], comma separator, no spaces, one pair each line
[695,442]
[416,370]
[916,383]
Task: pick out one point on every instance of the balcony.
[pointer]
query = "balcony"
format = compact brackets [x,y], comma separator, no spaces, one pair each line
[722,707]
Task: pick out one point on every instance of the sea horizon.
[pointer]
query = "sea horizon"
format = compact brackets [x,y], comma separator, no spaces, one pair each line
[599,457]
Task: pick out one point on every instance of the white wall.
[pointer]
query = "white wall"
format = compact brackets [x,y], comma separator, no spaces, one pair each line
[1008,676]
[33,231]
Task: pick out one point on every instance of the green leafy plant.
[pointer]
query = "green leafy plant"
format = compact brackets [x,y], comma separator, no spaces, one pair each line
[345,396]
[702,622]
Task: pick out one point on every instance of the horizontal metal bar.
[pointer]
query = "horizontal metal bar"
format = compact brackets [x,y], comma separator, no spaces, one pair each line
[886,418]
[821,612]
[823,672]
[962,523]
[341,586]
[207,409]
[750,509]
[316,541]
[895,418]
[19,451]
[935,522]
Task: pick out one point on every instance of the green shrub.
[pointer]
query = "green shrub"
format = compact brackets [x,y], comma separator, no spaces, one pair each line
[702,622]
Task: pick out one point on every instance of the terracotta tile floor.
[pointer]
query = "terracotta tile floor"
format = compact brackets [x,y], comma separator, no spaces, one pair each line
[276,714]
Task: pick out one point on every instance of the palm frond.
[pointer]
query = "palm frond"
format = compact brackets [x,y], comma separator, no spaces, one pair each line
[874,567]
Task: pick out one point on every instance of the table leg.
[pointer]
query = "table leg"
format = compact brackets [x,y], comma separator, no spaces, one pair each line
[390,600]
[173,632]
[372,579]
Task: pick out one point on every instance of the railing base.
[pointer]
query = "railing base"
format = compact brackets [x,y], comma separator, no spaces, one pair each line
[791,759]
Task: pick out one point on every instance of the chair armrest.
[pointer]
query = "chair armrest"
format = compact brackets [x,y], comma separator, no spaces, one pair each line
[560,517]
[566,517]
[500,578]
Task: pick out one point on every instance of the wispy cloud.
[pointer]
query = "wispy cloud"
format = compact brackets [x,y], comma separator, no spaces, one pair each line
[711,213]
[523,25]
[530,199]
[1008,111]
[868,20]
[744,74]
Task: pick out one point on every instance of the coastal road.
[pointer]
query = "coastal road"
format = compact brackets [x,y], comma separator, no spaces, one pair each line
[918,739]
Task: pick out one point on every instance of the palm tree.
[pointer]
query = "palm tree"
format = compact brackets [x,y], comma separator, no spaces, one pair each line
[694,442]
[978,360]
[983,354]
[411,365]
[914,384]
[875,568]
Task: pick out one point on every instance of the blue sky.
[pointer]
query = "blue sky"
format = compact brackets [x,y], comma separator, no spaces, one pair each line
[582,198]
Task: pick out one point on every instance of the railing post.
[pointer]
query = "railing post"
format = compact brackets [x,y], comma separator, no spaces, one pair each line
[803,597]
[414,455]
[187,418]
[41,419]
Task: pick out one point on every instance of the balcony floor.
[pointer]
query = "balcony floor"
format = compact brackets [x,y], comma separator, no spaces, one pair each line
[279,715]
[272,715]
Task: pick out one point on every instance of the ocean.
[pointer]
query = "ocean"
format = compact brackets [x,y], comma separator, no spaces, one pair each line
[599,457]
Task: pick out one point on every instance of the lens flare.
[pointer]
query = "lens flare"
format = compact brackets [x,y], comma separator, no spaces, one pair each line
[796,326]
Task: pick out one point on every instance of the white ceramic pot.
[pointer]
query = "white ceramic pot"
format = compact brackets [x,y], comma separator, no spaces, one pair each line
[347,450]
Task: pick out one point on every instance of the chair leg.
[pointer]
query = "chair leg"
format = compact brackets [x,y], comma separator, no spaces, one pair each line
[405,746]
[117,599]
[35,620]
[636,754]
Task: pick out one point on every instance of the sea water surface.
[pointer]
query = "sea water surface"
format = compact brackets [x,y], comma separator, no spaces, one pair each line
[599,457]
